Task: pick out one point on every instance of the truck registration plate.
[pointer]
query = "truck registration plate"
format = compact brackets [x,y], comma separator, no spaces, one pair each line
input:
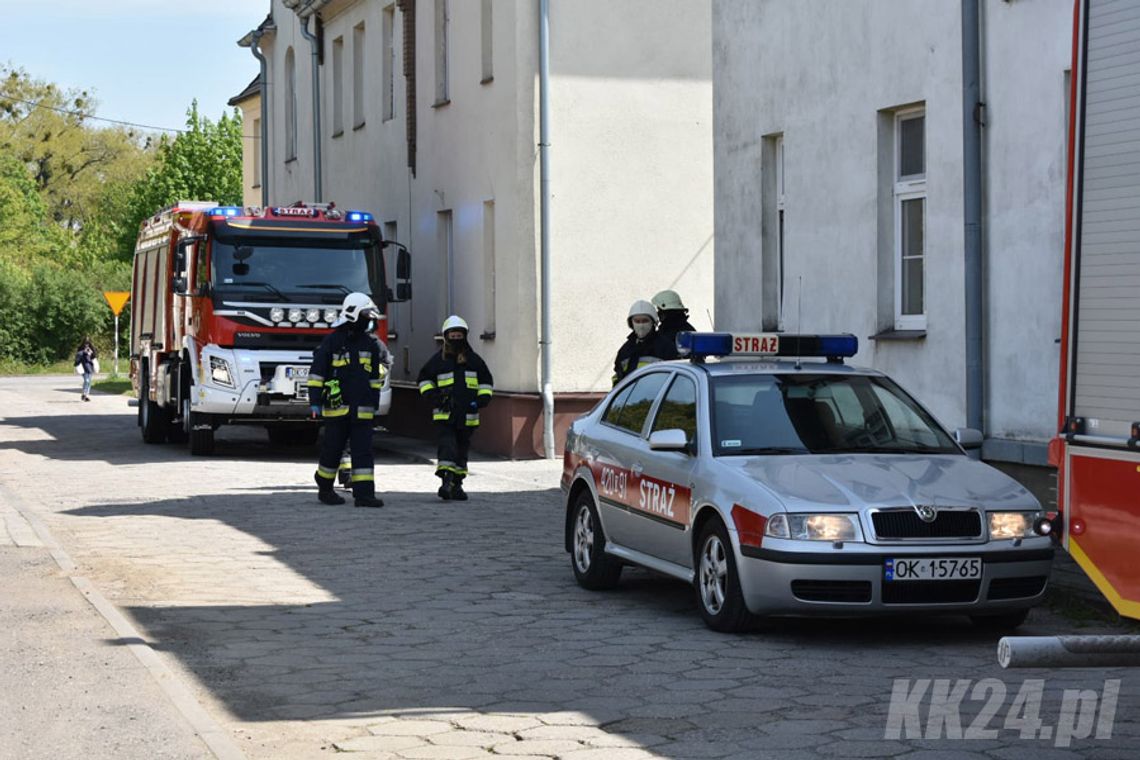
[932,569]
[297,373]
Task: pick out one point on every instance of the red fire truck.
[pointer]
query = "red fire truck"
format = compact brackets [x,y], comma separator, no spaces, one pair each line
[228,304]
[1097,452]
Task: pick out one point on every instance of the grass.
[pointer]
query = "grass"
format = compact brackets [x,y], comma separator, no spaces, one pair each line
[115,384]
[13,367]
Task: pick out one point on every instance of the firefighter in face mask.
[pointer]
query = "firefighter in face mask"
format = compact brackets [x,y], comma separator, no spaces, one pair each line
[640,347]
[458,384]
[344,390]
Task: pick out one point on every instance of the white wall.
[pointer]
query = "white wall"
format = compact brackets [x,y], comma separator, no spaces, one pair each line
[821,73]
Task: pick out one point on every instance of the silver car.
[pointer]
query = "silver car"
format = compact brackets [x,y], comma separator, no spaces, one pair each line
[796,488]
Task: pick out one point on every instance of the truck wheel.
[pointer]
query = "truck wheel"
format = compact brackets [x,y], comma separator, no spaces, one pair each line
[153,419]
[179,432]
[593,568]
[717,583]
[201,435]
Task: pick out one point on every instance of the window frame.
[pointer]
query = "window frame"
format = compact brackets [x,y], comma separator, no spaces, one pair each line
[388,64]
[694,442]
[359,49]
[442,52]
[911,187]
[650,414]
[290,105]
[338,86]
[780,264]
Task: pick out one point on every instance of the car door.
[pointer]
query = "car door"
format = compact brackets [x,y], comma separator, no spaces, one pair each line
[619,443]
[665,486]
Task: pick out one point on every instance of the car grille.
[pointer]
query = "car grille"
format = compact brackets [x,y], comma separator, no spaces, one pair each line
[930,592]
[1016,588]
[832,591]
[906,524]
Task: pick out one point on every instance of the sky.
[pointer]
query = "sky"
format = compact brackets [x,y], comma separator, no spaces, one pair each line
[144,60]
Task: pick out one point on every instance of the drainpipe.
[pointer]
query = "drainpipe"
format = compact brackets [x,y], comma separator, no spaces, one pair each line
[544,184]
[253,42]
[304,14]
[972,109]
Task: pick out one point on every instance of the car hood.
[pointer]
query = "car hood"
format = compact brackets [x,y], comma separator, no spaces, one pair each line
[852,482]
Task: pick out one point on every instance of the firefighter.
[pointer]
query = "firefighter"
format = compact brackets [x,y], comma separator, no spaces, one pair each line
[458,384]
[640,347]
[344,391]
[674,318]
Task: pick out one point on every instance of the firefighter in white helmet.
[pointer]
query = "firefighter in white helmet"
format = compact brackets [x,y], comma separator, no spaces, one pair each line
[674,319]
[640,347]
[458,384]
[344,390]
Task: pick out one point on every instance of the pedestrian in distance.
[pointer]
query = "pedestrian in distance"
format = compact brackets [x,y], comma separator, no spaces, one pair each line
[86,364]
[458,384]
[674,318]
[640,347]
[344,391]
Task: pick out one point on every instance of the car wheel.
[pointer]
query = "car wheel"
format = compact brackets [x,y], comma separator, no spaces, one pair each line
[1006,621]
[719,598]
[593,568]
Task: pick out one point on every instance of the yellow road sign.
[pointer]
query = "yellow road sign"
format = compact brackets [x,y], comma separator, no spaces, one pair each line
[116,299]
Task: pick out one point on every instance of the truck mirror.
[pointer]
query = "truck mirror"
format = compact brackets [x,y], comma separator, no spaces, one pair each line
[403,265]
[179,286]
[180,260]
[403,292]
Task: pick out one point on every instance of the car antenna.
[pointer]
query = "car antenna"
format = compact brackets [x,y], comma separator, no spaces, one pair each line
[799,319]
[712,325]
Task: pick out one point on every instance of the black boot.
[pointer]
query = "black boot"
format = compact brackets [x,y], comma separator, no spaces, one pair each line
[368,501]
[444,491]
[457,491]
[325,491]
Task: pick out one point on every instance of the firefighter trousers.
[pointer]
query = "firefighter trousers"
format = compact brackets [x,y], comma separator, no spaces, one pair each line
[452,444]
[358,433]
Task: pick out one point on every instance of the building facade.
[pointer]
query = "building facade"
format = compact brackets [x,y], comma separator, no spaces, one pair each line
[430,118]
[248,101]
[841,195]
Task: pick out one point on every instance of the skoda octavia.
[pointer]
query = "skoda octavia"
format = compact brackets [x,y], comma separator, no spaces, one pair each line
[779,485]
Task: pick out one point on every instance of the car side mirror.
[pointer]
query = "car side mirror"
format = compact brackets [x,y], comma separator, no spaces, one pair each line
[673,439]
[968,438]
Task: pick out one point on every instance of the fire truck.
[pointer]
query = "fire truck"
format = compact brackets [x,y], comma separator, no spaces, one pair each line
[228,304]
[1097,451]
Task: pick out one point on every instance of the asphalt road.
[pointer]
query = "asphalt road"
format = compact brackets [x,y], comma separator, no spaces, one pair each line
[158,605]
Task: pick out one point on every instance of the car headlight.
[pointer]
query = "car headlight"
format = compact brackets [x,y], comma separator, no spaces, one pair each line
[313,315]
[220,371]
[276,314]
[1012,524]
[295,315]
[330,315]
[809,527]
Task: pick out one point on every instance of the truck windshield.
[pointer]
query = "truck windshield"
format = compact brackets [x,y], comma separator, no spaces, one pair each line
[308,270]
[820,414]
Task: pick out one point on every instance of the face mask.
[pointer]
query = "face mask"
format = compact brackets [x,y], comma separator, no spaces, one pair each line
[641,329]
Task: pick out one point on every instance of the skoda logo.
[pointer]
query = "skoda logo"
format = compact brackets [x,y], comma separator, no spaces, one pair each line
[927,513]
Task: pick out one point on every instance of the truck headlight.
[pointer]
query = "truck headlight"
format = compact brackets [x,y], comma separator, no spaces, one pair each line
[220,371]
[809,527]
[330,315]
[276,314]
[295,315]
[313,315]
[1012,524]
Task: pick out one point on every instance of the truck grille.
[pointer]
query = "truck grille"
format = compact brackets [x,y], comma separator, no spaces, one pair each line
[906,524]
[279,341]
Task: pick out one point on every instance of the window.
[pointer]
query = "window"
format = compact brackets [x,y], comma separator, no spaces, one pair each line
[772,232]
[388,64]
[442,21]
[489,266]
[446,243]
[679,409]
[617,405]
[290,106]
[638,400]
[338,86]
[910,220]
[255,159]
[358,76]
[487,38]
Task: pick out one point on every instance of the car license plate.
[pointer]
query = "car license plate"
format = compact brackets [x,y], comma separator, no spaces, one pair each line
[933,569]
[297,373]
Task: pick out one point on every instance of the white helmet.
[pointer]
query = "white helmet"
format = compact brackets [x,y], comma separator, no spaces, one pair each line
[668,300]
[356,305]
[454,322]
[641,309]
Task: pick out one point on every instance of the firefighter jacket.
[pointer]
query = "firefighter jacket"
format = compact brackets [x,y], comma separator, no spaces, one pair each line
[671,324]
[347,374]
[635,353]
[456,390]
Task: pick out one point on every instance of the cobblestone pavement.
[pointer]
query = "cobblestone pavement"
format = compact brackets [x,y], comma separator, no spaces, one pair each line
[434,630]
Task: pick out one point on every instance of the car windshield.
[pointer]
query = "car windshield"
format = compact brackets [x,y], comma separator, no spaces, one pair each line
[820,414]
[283,270]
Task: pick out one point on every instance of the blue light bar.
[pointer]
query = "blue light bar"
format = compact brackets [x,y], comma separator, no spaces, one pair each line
[838,345]
[225,211]
[704,344]
[359,216]
[699,345]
